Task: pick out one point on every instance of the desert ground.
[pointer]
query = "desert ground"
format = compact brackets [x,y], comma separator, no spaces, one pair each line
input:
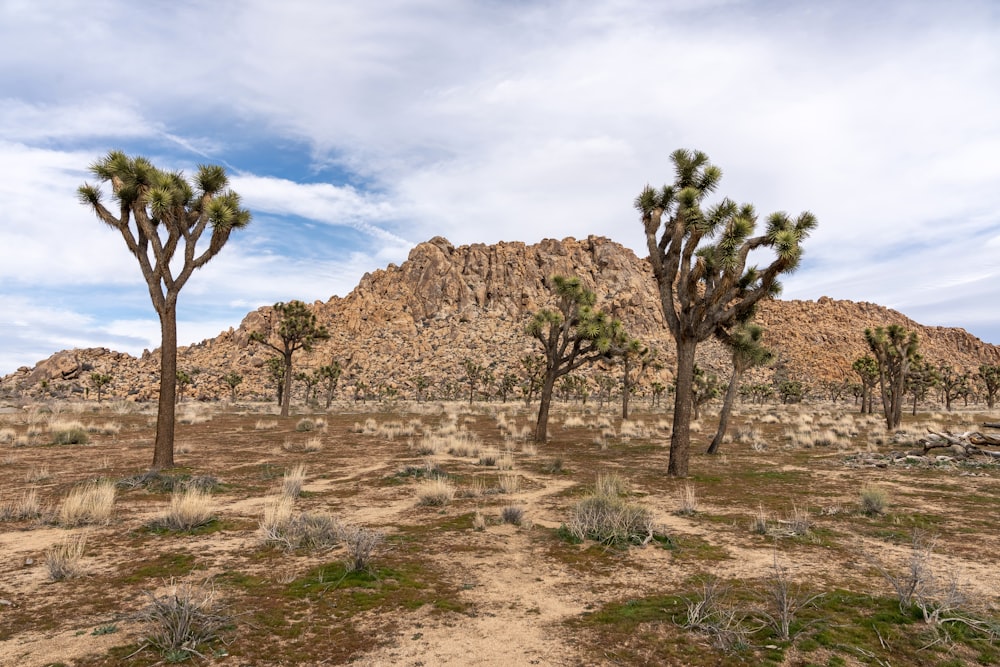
[438,534]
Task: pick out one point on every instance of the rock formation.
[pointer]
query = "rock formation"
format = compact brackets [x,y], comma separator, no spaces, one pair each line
[447,303]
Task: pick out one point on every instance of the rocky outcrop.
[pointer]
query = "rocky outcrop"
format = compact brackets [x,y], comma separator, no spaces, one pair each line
[448,303]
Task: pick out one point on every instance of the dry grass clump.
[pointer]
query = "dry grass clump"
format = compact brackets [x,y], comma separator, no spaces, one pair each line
[91,503]
[505,461]
[189,508]
[281,526]
[874,500]
[610,520]
[509,483]
[181,621]
[760,521]
[687,501]
[292,481]
[265,424]
[361,543]
[313,445]
[107,428]
[529,449]
[574,421]
[192,414]
[610,484]
[26,507]
[436,492]
[632,429]
[69,433]
[512,514]
[394,429]
[7,436]
[475,489]
[63,561]
[37,474]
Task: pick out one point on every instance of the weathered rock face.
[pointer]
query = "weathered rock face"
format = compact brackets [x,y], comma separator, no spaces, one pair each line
[447,303]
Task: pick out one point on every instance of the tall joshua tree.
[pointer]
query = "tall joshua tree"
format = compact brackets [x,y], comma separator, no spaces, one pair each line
[636,359]
[867,369]
[162,218]
[990,376]
[297,329]
[895,349]
[744,342]
[699,257]
[571,335]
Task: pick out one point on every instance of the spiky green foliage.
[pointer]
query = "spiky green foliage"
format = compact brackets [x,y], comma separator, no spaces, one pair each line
[162,218]
[699,254]
[571,335]
[895,350]
[296,329]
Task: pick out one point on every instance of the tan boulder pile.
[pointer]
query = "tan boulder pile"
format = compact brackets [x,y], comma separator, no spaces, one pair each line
[447,303]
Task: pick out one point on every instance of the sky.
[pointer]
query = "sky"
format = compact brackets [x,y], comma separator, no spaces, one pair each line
[354,131]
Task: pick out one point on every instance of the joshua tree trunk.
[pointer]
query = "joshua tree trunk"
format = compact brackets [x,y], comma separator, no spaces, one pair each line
[680,445]
[286,391]
[163,449]
[545,399]
[727,407]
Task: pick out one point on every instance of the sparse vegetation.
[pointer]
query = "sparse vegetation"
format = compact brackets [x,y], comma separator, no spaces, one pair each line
[91,503]
[63,561]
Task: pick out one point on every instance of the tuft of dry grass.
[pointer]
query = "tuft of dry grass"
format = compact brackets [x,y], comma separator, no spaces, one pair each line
[63,561]
[188,509]
[188,616]
[91,503]
[313,445]
[292,481]
[874,500]
[281,526]
[26,507]
[687,501]
[265,424]
[435,492]
[512,514]
[509,483]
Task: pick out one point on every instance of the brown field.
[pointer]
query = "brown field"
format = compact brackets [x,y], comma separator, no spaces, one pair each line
[452,582]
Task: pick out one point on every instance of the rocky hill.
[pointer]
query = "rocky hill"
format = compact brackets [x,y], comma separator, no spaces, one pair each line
[447,303]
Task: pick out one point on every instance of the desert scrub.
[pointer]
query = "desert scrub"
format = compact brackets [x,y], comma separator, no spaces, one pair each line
[75,435]
[183,621]
[512,514]
[874,500]
[189,509]
[435,492]
[291,483]
[305,425]
[509,482]
[26,507]
[362,544]
[604,516]
[91,503]
[281,526]
[687,501]
[63,561]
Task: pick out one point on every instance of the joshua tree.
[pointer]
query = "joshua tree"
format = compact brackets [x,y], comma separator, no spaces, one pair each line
[533,367]
[921,378]
[658,389]
[867,369]
[420,383]
[232,380]
[571,335]
[505,385]
[895,349]
[330,374]
[159,213]
[791,391]
[473,375]
[990,376]
[296,329]
[635,360]
[276,374]
[309,382]
[100,380]
[705,287]
[744,342]
[704,388]
[953,383]
[183,380]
